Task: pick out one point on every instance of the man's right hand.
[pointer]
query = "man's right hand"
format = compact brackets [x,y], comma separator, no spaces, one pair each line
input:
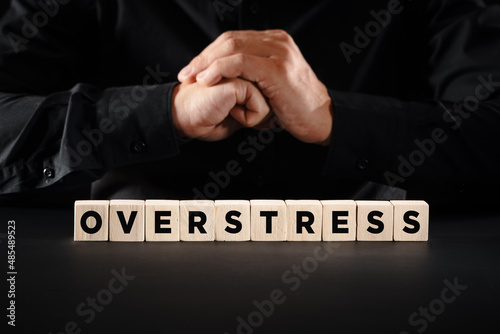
[215,112]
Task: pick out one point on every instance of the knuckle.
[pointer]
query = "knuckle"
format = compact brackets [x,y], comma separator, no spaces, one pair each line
[283,35]
[240,58]
[228,35]
[233,44]
[198,60]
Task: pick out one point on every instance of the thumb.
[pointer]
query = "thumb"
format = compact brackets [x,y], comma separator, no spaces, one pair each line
[251,106]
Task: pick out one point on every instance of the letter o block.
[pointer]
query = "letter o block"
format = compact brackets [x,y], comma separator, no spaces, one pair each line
[91,221]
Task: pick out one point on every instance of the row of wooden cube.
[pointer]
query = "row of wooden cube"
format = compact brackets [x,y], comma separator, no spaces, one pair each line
[256,220]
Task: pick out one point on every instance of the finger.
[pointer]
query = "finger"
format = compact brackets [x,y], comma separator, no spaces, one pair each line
[267,123]
[248,67]
[251,106]
[258,43]
[223,130]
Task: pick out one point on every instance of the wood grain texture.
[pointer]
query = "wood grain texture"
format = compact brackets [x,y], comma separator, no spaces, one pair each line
[126,220]
[375,221]
[200,214]
[268,220]
[162,220]
[303,217]
[238,210]
[94,211]
[411,220]
[339,220]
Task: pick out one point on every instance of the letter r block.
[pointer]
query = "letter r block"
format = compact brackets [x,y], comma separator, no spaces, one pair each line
[197,220]
[91,220]
[304,220]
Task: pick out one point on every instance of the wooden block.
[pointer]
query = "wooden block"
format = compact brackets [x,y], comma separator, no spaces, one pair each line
[268,220]
[126,220]
[197,220]
[91,220]
[411,220]
[375,221]
[304,220]
[162,220]
[232,220]
[339,220]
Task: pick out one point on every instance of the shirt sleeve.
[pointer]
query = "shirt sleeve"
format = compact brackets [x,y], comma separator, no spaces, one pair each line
[450,140]
[53,124]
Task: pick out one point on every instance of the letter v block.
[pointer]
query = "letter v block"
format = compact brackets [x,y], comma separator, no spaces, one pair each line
[91,220]
[197,220]
[411,220]
[126,220]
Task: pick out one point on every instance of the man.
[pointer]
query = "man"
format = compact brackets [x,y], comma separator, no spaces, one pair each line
[329,99]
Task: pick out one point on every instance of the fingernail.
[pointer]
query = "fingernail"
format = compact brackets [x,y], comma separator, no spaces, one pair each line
[201,75]
[185,71]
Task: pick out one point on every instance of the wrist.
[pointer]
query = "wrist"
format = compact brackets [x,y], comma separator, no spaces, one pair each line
[176,111]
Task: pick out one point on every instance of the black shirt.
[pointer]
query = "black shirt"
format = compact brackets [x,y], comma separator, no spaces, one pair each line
[85,94]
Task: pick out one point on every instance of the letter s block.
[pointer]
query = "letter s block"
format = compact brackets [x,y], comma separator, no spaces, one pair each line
[232,220]
[91,220]
[375,221]
[411,220]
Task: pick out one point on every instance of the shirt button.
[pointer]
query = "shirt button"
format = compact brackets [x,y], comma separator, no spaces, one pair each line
[254,8]
[138,146]
[362,164]
[462,188]
[259,180]
[49,173]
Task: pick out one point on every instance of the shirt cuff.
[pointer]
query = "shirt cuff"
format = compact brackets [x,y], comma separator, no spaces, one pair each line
[364,135]
[133,124]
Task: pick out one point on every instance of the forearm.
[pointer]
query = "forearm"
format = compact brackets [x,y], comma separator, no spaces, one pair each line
[414,144]
[83,132]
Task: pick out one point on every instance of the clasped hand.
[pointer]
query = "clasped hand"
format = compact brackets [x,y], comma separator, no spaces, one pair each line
[244,78]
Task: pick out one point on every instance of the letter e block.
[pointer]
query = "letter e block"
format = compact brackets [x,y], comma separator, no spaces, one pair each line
[304,220]
[232,220]
[339,220]
[162,220]
[375,221]
[411,220]
[91,220]
[126,220]
[268,220]
[197,220]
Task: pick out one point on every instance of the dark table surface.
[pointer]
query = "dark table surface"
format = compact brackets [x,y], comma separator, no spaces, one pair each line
[212,287]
